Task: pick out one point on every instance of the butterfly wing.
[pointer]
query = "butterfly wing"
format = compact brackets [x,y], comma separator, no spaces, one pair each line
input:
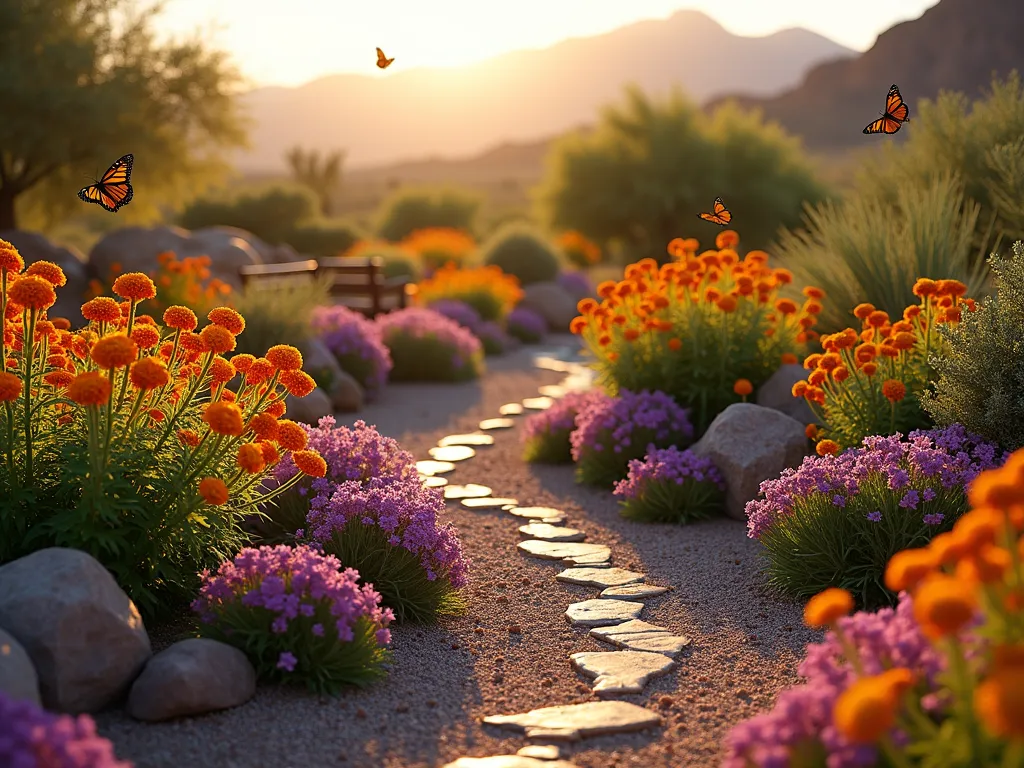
[895,107]
[383,61]
[883,125]
[114,190]
[720,216]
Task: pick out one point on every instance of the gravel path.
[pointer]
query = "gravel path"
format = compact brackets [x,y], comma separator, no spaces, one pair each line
[510,653]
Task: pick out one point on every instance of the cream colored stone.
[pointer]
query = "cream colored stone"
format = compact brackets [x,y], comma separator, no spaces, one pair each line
[554,550]
[489,424]
[616,672]
[640,636]
[452,453]
[468,491]
[475,438]
[634,591]
[548,532]
[487,503]
[575,721]
[430,467]
[600,577]
[602,613]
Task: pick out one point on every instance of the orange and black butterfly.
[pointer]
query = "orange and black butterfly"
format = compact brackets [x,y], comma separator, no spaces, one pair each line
[720,215]
[113,190]
[383,61]
[896,114]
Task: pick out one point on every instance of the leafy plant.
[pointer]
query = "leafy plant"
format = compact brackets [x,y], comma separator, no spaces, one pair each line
[398,261]
[271,212]
[981,372]
[411,209]
[488,290]
[520,251]
[439,246]
[356,344]
[671,486]
[279,315]
[323,238]
[427,346]
[578,250]
[546,434]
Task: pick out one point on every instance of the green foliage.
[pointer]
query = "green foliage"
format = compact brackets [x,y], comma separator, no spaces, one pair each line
[866,249]
[603,467]
[279,315]
[271,212]
[671,502]
[411,209]
[519,250]
[819,545]
[642,176]
[397,261]
[981,375]
[428,358]
[321,175]
[83,84]
[548,446]
[323,238]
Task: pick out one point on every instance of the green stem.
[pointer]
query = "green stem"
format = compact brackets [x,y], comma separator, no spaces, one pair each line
[28,327]
[964,684]
[9,450]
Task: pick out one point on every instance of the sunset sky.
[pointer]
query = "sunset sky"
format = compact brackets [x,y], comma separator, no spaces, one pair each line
[291,42]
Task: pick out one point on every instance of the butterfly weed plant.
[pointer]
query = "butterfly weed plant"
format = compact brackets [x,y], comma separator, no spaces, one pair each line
[122,440]
[694,326]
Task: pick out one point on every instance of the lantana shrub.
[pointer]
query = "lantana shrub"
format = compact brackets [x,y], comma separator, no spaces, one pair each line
[837,520]
[934,683]
[545,435]
[694,326]
[578,250]
[356,343]
[526,325]
[488,290]
[123,440]
[611,431]
[372,511]
[297,616]
[427,346]
[669,485]
[437,246]
[871,382]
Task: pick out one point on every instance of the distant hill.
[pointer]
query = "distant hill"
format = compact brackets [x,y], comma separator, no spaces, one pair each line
[521,96]
[954,46]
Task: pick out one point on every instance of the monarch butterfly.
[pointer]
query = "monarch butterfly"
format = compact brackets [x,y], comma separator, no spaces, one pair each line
[721,215]
[113,190]
[383,61]
[896,113]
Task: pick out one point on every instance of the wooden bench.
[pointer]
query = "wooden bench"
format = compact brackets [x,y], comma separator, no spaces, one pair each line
[357,283]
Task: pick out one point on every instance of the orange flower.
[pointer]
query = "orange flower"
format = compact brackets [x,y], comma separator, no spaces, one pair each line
[10,259]
[817,377]
[877,319]
[91,388]
[906,569]
[149,373]
[49,271]
[188,437]
[987,565]
[893,390]
[270,454]
[952,288]
[799,389]
[298,383]
[925,287]
[904,340]
[782,276]
[742,387]
[250,458]
[180,318]
[631,334]
[841,374]
[727,303]
[578,325]
[284,357]
[788,358]
[58,379]
[114,351]
[11,386]
[786,306]
[675,344]
[242,362]
[727,238]
[61,323]
[102,309]
[221,371]
[943,605]
[32,292]
[869,369]
[999,702]
[227,318]
[290,435]
[825,608]
[263,426]
[213,490]
[310,463]
[950,315]
[814,293]
[224,418]
[276,409]
[866,710]
[217,339]
[134,286]
[827,448]
[146,336]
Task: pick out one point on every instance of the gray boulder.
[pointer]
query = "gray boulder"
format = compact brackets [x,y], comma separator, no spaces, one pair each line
[343,390]
[35,247]
[777,393]
[18,678]
[309,409]
[552,302]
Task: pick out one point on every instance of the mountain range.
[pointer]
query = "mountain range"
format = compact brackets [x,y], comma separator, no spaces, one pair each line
[521,96]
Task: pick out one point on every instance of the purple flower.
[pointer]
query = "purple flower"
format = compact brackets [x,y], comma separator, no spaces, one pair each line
[459,311]
[577,284]
[561,416]
[493,337]
[526,324]
[30,737]
[667,465]
[357,344]
[287,660]
[874,517]
[611,421]
[412,326]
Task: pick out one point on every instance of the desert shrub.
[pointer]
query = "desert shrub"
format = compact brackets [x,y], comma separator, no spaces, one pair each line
[459,311]
[837,520]
[488,290]
[30,736]
[671,486]
[126,444]
[438,246]
[298,617]
[934,682]
[521,251]
[693,327]
[611,431]
[323,238]
[578,250]
[494,338]
[397,261]
[650,165]
[545,435]
[411,209]
[356,344]
[872,382]
[373,512]
[526,325]
[279,315]
[426,346]
[271,213]
[869,250]
[981,373]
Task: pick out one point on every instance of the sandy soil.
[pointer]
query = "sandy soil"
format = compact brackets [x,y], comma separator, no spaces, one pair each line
[510,653]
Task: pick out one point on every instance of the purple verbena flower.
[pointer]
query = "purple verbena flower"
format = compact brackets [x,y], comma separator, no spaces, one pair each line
[526,324]
[356,342]
[667,465]
[561,416]
[577,284]
[618,418]
[459,311]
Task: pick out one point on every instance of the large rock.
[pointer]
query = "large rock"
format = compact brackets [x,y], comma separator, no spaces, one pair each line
[309,409]
[192,677]
[777,393]
[318,361]
[82,632]
[34,247]
[552,302]
[750,443]
[18,678]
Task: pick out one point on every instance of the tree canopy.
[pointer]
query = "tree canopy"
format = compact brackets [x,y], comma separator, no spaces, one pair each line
[321,174]
[83,82]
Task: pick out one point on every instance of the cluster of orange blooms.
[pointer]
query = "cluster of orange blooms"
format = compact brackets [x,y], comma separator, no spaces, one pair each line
[437,246]
[185,281]
[579,250]
[124,363]
[464,284]
[885,357]
[642,307]
[973,570]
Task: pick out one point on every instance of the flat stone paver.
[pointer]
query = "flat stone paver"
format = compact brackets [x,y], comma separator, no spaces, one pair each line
[540,751]
[511,409]
[634,591]
[452,453]
[434,481]
[536,513]
[430,467]
[467,491]
[556,550]
[538,403]
[600,577]
[489,424]
[571,722]
[552,390]
[548,532]
[602,613]
[589,558]
[617,672]
[475,438]
[638,635]
[508,761]
[488,502]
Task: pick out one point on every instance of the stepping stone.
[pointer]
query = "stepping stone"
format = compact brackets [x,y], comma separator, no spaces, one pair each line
[508,761]
[548,532]
[552,390]
[511,409]
[598,558]
[468,491]
[548,363]
[603,613]
[553,550]
[486,503]
[634,591]
[433,481]
[429,467]
[538,403]
[468,439]
[537,513]
[496,424]
[616,672]
[452,453]
[599,577]
[575,721]
[638,635]
[540,751]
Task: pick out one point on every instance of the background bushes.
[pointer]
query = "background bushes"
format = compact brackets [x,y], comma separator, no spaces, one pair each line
[521,251]
[410,209]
